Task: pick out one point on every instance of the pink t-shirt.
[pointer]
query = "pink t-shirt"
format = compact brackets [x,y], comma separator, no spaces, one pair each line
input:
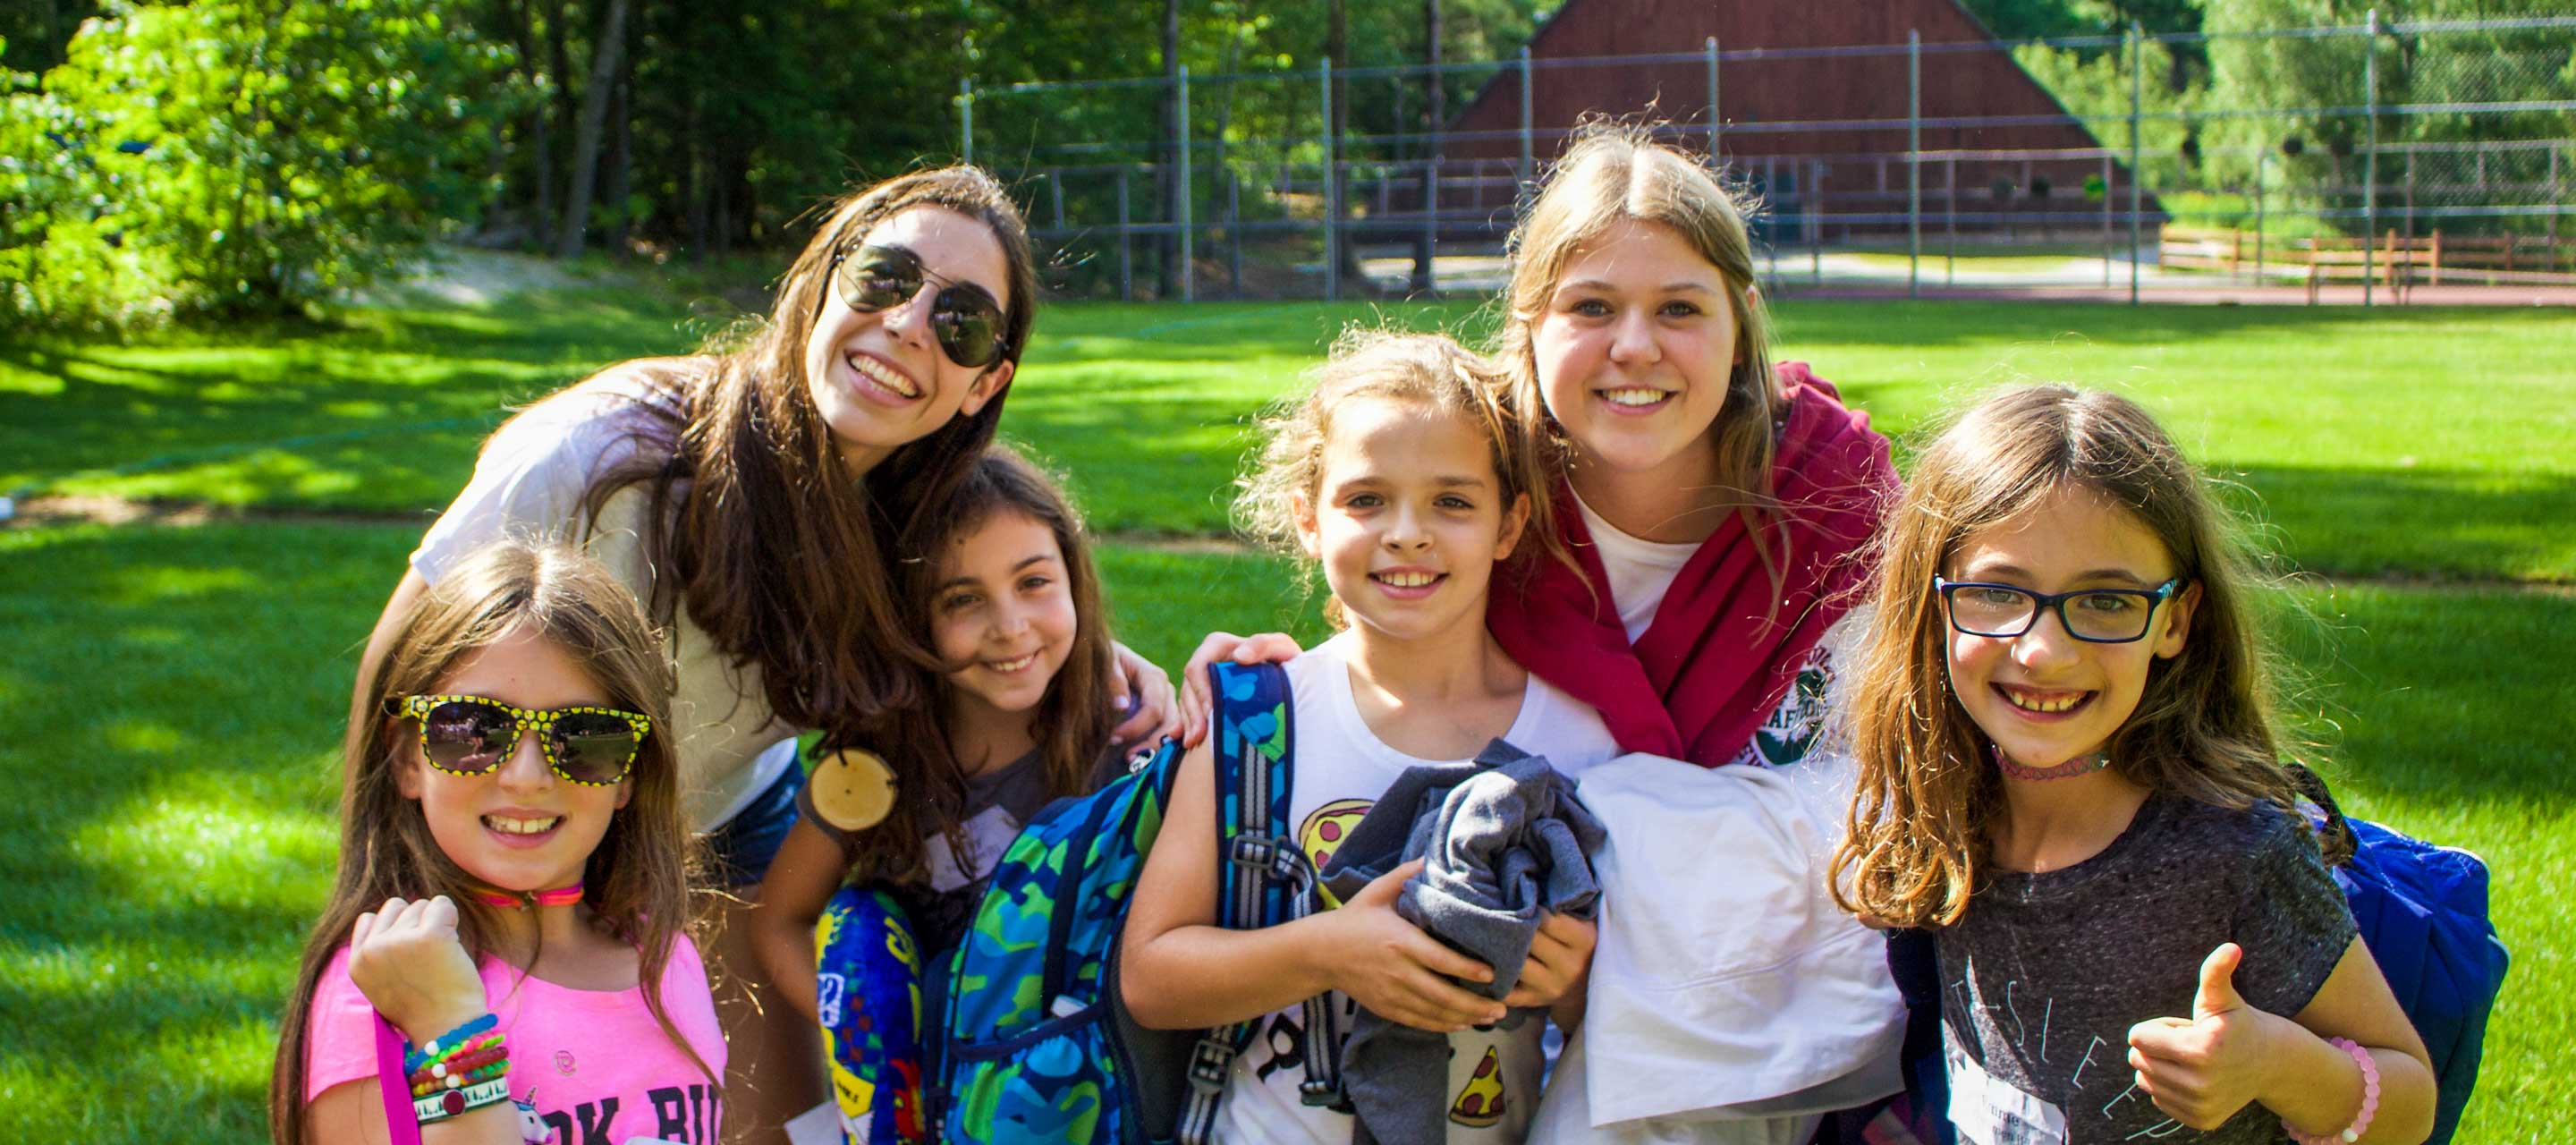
[590,1065]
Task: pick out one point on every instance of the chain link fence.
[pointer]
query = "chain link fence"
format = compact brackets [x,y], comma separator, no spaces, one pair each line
[2349,163]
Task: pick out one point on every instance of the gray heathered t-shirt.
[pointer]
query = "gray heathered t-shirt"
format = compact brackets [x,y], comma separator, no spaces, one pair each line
[2045,974]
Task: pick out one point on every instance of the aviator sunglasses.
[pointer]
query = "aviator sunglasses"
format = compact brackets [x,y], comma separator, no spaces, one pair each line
[470,735]
[963,316]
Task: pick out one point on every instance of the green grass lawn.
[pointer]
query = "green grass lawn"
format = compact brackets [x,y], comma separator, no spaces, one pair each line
[171,701]
[2359,430]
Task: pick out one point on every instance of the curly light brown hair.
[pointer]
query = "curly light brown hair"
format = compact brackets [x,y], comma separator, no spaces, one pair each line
[1431,369]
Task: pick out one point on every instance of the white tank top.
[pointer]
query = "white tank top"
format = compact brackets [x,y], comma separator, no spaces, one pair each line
[1341,769]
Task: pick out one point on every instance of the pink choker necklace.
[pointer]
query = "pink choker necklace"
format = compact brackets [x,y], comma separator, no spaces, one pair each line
[2080,765]
[559,896]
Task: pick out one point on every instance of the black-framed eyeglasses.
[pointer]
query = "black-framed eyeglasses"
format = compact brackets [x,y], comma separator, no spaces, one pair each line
[963,316]
[2094,615]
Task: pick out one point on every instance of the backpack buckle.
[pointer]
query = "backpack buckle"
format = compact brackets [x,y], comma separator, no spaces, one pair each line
[1277,858]
[1321,1093]
[1209,1060]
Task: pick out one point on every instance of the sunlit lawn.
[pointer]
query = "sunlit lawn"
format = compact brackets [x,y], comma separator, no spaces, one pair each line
[169,704]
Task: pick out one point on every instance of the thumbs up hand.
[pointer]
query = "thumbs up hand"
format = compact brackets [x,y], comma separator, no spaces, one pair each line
[2202,1069]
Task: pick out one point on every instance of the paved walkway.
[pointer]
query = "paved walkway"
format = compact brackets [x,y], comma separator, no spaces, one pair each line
[1877,275]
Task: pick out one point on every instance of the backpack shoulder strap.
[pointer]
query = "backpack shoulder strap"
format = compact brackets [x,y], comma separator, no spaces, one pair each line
[1265,878]
[1254,729]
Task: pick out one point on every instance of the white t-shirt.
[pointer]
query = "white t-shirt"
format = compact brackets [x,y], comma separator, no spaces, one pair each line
[1641,571]
[1641,574]
[1341,769]
[529,483]
[1735,999]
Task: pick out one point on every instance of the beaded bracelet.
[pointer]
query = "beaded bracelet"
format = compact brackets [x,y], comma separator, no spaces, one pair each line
[479,1052]
[502,1069]
[439,1047]
[453,1102]
[2369,1101]
[461,1070]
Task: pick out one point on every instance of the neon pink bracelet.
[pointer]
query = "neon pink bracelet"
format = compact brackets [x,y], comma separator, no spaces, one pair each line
[2369,1101]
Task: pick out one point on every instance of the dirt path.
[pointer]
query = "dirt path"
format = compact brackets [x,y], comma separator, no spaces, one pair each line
[42,512]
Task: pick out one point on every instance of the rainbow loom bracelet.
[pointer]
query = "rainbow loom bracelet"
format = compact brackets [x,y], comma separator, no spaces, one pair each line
[2369,1101]
[453,1102]
[438,1048]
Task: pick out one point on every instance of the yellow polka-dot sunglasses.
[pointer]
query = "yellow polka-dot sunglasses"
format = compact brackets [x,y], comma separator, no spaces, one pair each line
[470,735]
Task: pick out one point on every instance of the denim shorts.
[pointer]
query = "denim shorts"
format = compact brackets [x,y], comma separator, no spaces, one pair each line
[739,850]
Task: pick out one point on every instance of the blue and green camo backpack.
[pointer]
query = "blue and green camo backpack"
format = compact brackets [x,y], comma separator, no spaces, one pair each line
[1037,1045]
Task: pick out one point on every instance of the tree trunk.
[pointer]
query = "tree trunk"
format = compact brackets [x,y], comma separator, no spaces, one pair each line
[693,171]
[1432,116]
[1225,107]
[1167,184]
[549,118]
[595,97]
[621,158]
[1337,48]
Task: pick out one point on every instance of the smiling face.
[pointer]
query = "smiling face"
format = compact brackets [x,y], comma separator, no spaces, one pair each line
[521,828]
[1633,350]
[2045,697]
[1004,609]
[880,380]
[1408,517]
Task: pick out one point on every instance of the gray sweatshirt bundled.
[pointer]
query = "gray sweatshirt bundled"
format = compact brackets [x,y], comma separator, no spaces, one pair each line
[1505,842]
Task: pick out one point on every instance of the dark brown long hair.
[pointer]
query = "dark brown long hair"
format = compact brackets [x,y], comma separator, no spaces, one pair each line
[1072,724]
[636,881]
[777,554]
[2204,728]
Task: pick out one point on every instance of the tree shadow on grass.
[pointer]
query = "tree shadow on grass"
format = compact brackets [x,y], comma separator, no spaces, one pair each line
[2439,696]
[1929,324]
[170,694]
[2416,522]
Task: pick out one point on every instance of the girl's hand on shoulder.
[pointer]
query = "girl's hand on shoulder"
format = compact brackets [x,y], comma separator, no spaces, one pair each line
[1197,706]
[1400,973]
[1144,692]
[2201,1070]
[1560,956]
[405,957]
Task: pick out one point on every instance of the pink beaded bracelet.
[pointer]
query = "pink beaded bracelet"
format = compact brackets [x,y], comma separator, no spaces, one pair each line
[2369,1101]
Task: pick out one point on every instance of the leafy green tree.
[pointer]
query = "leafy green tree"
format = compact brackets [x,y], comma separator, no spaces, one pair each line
[236,156]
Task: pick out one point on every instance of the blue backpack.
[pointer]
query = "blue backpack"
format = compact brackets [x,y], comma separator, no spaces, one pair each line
[2423,914]
[1036,1044]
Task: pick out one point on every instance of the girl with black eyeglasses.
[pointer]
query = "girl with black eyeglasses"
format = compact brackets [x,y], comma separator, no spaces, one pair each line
[2070,772]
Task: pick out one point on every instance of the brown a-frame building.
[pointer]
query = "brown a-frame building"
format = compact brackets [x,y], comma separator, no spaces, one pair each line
[1813,94]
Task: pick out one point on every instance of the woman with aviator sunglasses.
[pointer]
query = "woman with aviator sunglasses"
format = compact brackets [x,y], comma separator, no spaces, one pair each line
[749,496]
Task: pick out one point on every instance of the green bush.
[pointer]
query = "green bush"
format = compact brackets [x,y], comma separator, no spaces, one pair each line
[236,156]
